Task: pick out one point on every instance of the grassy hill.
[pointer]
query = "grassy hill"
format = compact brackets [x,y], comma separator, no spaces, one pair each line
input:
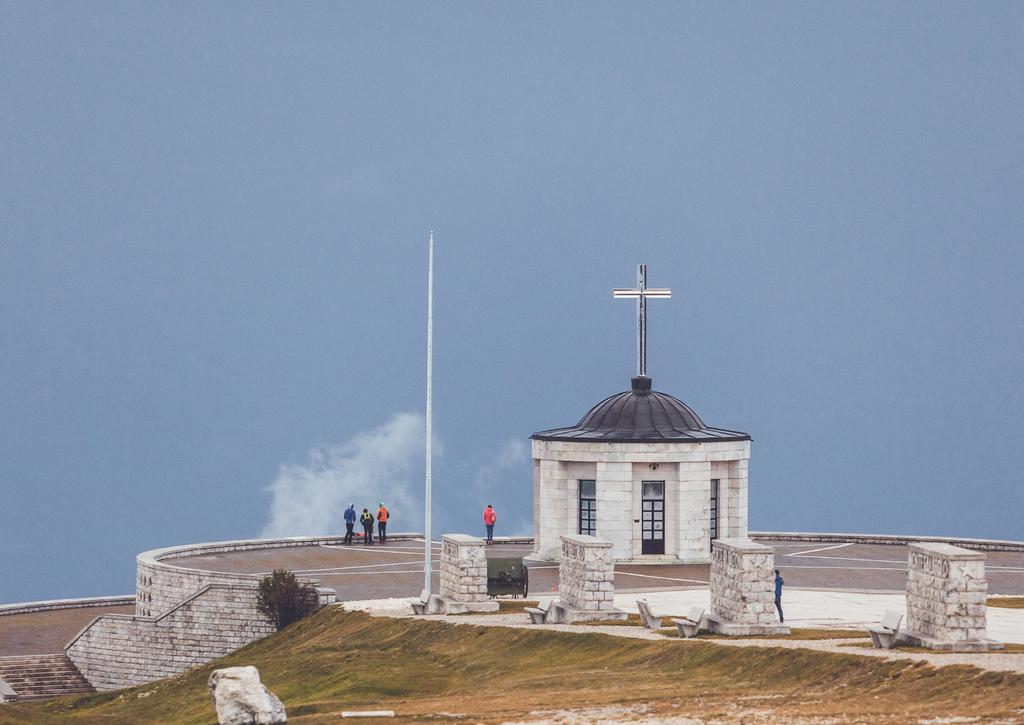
[336,660]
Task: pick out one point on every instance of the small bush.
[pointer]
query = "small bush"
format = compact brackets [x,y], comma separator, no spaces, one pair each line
[284,599]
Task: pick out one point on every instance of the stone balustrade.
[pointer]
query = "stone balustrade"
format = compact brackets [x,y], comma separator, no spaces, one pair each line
[743,589]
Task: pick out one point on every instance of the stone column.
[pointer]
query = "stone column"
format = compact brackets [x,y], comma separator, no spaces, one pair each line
[586,576]
[463,576]
[552,504]
[743,589]
[694,505]
[615,506]
[946,591]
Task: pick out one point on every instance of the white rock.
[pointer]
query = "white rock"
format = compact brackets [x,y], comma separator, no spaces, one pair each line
[241,699]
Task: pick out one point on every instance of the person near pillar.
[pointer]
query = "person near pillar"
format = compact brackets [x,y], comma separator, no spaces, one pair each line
[366,519]
[350,522]
[489,518]
[778,595]
[382,523]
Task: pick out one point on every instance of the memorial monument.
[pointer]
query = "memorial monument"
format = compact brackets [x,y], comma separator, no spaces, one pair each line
[641,470]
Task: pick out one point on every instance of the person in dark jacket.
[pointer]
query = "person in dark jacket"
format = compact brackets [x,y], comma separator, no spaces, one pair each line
[366,519]
[350,522]
[778,595]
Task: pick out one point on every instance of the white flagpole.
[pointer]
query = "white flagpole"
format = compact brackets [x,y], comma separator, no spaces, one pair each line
[427,538]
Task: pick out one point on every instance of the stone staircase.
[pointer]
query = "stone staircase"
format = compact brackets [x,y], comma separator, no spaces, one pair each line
[39,677]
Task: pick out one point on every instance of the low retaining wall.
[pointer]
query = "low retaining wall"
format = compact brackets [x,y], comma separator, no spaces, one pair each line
[163,580]
[892,539]
[52,604]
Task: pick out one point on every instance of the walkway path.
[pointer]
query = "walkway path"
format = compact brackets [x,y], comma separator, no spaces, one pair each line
[805,609]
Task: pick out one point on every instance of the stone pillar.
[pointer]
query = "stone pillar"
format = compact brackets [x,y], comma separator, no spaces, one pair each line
[693,517]
[946,591]
[552,506]
[463,577]
[743,589]
[615,507]
[586,580]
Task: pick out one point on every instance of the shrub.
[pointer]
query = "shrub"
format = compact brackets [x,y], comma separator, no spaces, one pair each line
[284,599]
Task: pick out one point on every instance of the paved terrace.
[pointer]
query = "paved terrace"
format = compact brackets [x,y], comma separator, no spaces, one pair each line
[396,569]
[393,570]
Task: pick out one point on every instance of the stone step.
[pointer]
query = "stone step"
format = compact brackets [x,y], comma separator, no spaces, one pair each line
[39,677]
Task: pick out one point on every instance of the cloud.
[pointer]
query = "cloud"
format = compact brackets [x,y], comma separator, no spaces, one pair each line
[382,464]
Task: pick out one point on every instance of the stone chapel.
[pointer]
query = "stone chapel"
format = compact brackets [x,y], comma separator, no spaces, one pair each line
[641,470]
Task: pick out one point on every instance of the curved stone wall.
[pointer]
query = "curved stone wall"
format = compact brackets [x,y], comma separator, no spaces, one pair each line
[163,579]
[51,604]
[891,539]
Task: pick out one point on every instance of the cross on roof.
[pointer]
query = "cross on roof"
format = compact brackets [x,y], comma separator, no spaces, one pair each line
[640,294]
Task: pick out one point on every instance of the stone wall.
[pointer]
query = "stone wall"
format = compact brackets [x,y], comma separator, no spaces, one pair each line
[163,578]
[463,569]
[887,539]
[53,604]
[586,574]
[161,586]
[742,585]
[946,590]
[120,650]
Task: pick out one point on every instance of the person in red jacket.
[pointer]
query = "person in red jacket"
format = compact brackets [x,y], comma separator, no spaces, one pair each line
[489,518]
[382,523]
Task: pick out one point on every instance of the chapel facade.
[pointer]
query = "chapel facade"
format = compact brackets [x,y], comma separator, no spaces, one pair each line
[642,471]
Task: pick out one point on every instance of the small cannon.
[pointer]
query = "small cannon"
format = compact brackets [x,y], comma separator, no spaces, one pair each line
[507,576]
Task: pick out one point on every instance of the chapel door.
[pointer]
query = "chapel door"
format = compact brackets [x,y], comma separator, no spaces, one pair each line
[653,517]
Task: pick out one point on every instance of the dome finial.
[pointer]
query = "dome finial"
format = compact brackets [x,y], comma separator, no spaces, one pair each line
[641,385]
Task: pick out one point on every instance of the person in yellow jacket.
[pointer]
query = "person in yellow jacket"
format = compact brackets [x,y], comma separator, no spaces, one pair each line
[366,519]
[382,523]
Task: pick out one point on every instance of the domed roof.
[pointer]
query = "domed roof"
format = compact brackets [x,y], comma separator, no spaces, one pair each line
[641,415]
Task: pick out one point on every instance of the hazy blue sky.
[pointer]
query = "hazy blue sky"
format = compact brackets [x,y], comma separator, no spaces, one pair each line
[213,223]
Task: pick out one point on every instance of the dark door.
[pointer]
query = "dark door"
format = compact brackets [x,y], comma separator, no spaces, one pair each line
[653,517]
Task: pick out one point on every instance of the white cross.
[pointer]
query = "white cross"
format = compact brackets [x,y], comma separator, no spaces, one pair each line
[640,294]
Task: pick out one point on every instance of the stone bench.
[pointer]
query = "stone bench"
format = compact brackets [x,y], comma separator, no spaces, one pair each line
[419,606]
[689,626]
[883,636]
[539,613]
[647,617]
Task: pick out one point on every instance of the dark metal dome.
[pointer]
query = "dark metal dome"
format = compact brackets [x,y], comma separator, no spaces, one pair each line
[641,415]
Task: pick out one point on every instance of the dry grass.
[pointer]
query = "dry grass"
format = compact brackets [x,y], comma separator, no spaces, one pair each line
[339,660]
[511,606]
[798,633]
[1009,648]
[1006,602]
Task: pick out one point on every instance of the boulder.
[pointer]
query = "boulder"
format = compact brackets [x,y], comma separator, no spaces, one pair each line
[241,699]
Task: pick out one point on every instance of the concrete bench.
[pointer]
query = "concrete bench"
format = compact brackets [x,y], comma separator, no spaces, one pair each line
[538,613]
[419,606]
[883,636]
[646,616]
[689,625]
[557,614]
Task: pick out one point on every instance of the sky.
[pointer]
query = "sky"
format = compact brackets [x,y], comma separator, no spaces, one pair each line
[213,225]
